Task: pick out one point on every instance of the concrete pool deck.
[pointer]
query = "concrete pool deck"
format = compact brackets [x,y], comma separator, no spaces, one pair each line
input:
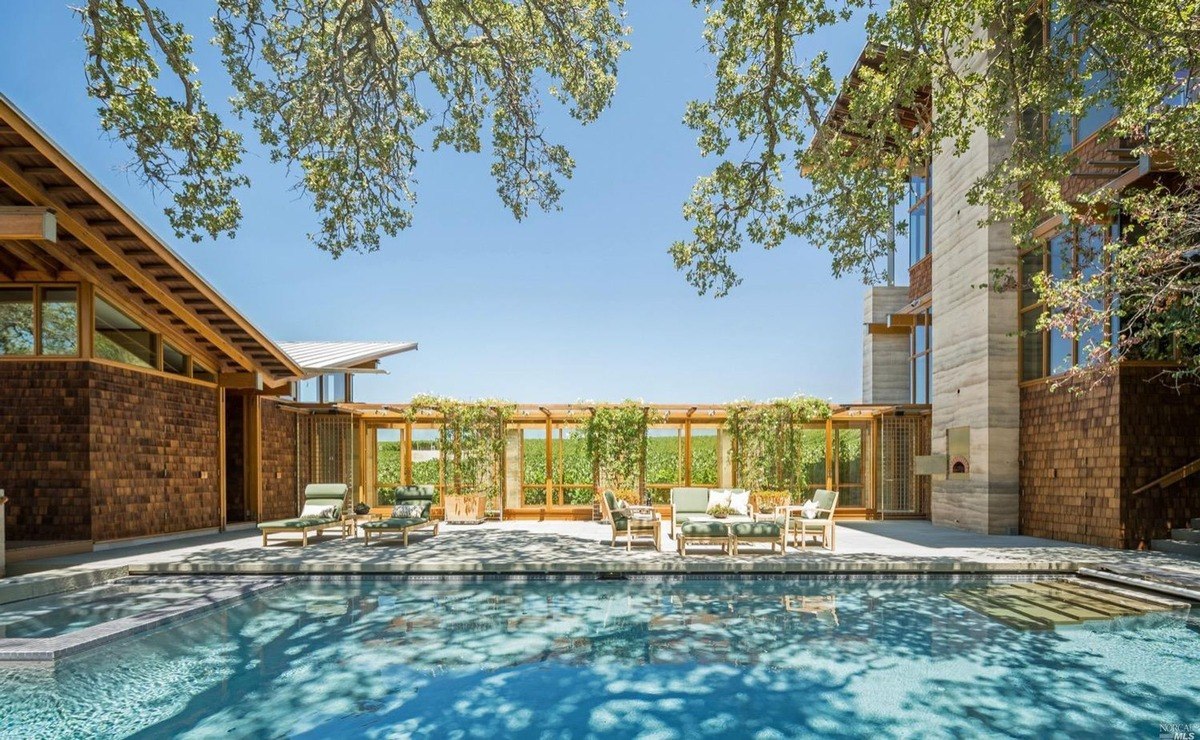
[561,547]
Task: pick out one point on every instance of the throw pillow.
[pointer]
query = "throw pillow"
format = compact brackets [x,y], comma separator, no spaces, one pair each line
[317,510]
[739,501]
[407,511]
[717,497]
[809,509]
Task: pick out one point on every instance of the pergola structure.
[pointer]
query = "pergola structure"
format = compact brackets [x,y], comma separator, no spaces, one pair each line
[865,452]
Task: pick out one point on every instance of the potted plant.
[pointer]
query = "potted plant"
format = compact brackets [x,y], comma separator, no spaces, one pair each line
[721,511]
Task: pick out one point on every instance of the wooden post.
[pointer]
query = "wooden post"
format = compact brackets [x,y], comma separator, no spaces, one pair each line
[829,462]
[406,452]
[254,489]
[687,449]
[642,464]
[221,472]
[549,465]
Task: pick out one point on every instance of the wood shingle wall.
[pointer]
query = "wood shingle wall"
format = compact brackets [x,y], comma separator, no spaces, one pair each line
[1070,462]
[278,462]
[44,450]
[1160,432]
[1083,456]
[154,458]
[94,452]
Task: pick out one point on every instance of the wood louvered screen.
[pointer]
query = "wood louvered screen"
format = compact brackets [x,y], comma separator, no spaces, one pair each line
[901,491]
[326,452]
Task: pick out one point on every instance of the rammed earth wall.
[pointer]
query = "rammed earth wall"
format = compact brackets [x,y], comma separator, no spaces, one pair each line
[91,451]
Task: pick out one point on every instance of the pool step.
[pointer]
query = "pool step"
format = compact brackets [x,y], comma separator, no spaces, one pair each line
[1173,582]
[1047,605]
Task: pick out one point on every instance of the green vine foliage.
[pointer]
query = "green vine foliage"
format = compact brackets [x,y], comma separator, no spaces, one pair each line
[471,441]
[616,442]
[769,451]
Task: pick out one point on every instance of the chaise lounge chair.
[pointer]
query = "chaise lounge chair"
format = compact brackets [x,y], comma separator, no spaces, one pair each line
[420,497]
[323,507]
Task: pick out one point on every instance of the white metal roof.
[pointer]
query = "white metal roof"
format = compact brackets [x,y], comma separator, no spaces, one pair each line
[326,357]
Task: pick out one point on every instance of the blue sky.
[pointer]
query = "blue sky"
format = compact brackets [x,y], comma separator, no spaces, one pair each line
[582,303]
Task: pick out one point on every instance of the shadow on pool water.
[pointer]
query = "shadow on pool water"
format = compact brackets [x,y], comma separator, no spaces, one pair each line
[662,658]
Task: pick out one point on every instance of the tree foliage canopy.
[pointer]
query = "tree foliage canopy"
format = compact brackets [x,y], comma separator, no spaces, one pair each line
[349,92]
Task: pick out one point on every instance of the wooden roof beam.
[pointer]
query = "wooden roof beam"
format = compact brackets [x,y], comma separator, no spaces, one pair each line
[27,222]
[35,257]
[12,174]
[286,367]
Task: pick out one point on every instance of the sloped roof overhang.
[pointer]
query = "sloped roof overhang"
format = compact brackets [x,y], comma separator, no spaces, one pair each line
[101,241]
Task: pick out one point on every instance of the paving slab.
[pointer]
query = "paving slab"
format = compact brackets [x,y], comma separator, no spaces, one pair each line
[583,547]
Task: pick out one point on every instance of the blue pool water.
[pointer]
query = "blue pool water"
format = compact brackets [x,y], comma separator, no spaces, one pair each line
[654,658]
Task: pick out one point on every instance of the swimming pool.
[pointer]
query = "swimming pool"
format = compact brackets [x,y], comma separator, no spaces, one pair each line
[59,614]
[850,657]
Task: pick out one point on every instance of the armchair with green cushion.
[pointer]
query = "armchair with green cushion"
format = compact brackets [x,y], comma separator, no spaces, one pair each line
[322,509]
[798,524]
[631,521]
[420,497]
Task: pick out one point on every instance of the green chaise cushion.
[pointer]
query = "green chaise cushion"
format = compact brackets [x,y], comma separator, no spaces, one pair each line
[704,529]
[298,523]
[755,529]
[393,523]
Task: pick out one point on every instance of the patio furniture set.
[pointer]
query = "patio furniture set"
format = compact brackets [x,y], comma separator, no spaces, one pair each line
[327,506]
[692,524]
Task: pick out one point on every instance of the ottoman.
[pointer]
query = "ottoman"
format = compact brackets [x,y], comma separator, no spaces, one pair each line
[768,532]
[707,533]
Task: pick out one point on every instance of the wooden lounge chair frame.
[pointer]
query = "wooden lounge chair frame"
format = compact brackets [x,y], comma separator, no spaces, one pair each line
[383,513]
[725,542]
[799,527]
[421,494]
[630,526]
[313,492]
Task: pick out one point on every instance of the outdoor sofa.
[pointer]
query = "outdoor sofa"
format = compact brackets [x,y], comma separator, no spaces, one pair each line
[322,509]
[395,521]
[689,503]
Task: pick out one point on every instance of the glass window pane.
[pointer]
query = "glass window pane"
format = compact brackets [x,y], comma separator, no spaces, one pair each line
[199,372]
[335,387]
[664,455]
[704,456]
[1062,260]
[389,457]
[918,233]
[16,321]
[174,361]
[1031,264]
[121,339]
[426,457]
[60,321]
[920,379]
[1061,353]
[1031,345]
